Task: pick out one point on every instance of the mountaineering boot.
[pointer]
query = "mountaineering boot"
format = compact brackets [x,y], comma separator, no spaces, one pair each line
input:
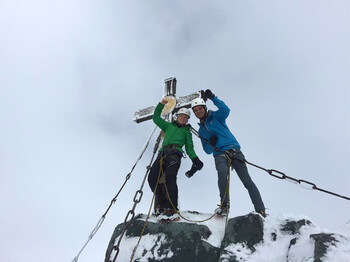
[169,215]
[221,211]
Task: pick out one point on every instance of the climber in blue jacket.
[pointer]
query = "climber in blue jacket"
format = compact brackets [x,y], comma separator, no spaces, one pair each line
[217,139]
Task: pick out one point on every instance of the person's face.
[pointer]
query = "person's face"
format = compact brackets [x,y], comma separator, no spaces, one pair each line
[182,119]
[199,111]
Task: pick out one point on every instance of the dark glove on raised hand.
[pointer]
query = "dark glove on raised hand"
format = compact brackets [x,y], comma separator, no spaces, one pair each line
[196,165]
[213,139]
[209,94]
[203,95]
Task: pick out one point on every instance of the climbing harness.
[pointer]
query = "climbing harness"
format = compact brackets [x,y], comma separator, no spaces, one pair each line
[101,220]
[171,150]
[275,173]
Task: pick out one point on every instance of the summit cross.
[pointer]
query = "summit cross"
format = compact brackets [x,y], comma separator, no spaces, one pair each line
[145,114]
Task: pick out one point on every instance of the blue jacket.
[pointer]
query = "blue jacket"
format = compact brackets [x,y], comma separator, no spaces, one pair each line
[215,124]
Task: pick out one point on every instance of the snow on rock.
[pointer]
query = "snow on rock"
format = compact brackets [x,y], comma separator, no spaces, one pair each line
[248,238]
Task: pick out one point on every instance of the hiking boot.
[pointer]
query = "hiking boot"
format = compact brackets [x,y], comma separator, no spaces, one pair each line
[221,211]
[168,216]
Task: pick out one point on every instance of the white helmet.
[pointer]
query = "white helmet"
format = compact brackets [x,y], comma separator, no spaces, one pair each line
[184,111]
[197,102]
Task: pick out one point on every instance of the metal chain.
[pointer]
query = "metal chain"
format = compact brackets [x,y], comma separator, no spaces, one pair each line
[281,175]
[100,222]
[276,173]
[127,220]
[132,169]
[150,209]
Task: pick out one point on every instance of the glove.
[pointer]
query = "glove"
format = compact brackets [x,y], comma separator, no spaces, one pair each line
[209,94]
[196,165]
[203,95]
[213,139]
[189,173]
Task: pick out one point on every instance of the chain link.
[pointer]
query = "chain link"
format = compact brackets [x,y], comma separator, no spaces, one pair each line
[140,196]
[279,174]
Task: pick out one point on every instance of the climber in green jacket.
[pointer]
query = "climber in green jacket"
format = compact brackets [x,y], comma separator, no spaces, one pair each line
[177,135]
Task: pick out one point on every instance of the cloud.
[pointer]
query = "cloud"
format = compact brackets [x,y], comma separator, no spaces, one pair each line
[73,73]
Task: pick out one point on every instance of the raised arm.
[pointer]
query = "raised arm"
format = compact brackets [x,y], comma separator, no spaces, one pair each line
[161,123]
[223,111]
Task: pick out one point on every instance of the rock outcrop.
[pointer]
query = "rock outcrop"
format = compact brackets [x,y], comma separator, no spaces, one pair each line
[247,238]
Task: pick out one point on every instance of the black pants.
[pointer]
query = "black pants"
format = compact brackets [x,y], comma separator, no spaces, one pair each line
[171,165]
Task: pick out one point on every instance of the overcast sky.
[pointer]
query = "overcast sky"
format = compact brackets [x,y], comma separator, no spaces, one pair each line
[72,74]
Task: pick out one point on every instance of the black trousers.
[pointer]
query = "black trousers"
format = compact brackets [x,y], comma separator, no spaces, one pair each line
[171,165]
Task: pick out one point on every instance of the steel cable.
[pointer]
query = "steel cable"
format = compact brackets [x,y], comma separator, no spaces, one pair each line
[101,220]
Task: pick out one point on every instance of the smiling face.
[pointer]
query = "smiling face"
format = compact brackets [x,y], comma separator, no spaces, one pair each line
[182,119]
[199,111]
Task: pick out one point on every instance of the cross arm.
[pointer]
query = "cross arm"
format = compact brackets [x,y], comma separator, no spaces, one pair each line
[145,114]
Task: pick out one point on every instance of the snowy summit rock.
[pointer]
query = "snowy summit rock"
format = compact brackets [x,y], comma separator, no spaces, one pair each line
[248,238]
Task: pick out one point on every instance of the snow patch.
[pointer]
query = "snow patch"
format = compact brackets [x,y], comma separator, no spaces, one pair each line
[151,243]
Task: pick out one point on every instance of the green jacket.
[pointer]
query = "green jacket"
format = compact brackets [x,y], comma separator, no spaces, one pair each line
[174,135]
